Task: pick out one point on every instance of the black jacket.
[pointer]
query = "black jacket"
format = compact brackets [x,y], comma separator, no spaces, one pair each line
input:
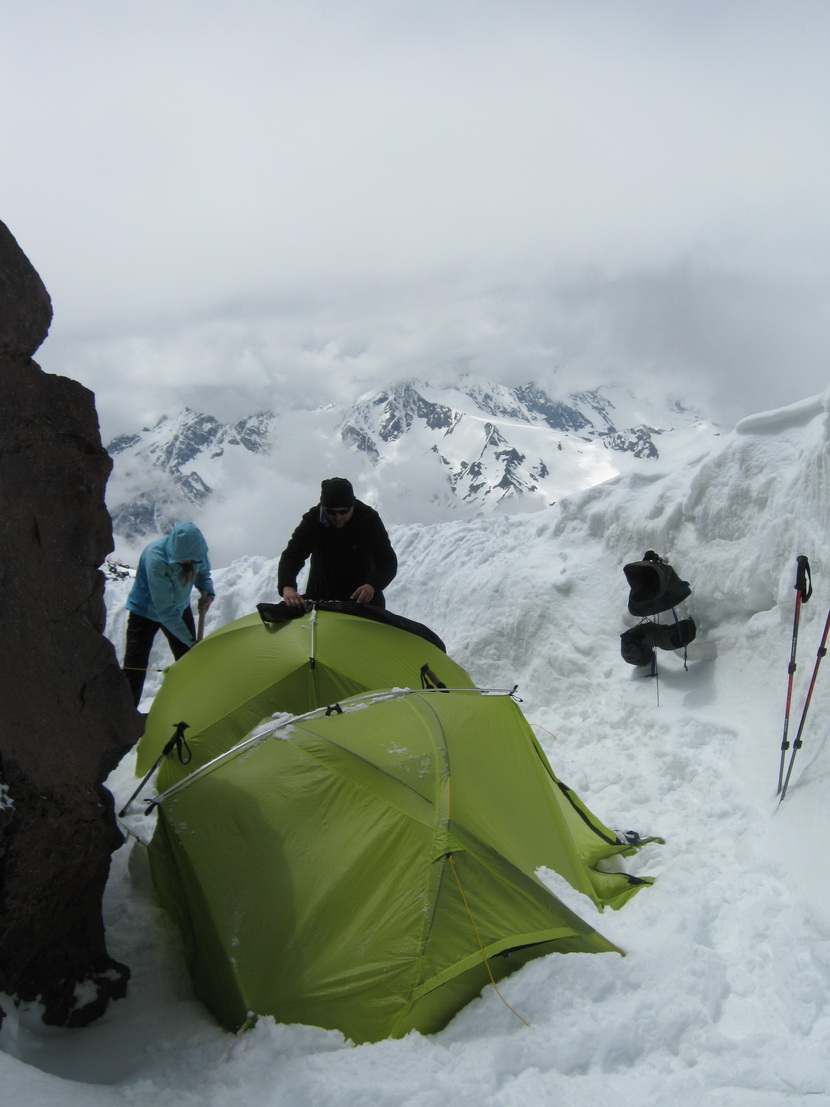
[342,558]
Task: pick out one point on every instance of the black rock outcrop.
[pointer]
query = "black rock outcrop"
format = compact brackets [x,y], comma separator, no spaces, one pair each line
[66,716]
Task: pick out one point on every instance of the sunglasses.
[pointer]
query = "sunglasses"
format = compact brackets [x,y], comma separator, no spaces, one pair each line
[337,510]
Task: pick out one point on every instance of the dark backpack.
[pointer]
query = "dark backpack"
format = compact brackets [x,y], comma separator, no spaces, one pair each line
[654,586]
[672,636]
[634,648]
[637,644]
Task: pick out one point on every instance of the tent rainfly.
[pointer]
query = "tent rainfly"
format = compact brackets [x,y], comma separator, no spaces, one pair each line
[370,863]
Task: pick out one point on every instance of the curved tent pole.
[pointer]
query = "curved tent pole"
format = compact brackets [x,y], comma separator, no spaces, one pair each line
[269,730]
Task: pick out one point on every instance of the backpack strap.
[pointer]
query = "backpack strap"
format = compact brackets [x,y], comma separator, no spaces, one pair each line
[682,639]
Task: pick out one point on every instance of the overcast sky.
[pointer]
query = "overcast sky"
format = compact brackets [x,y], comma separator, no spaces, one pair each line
[239,204]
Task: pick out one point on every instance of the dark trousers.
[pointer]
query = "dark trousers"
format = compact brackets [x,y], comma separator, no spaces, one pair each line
[140,635]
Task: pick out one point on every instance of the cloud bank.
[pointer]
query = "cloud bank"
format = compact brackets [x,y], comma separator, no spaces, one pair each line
[264,204]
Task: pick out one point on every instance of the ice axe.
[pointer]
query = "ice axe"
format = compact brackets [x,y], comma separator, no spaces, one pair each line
[200,629]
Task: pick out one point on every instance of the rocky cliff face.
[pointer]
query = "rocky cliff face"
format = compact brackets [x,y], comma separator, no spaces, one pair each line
[67,717]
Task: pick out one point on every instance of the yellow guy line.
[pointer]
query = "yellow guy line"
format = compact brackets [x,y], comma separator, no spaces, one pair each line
[484,957]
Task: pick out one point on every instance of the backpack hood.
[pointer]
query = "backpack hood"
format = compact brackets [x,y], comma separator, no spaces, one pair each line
[654,586]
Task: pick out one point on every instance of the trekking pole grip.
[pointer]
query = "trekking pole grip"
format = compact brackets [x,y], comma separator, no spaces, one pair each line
[803,579]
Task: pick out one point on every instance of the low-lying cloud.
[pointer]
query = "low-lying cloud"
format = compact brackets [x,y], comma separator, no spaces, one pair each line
[260,204]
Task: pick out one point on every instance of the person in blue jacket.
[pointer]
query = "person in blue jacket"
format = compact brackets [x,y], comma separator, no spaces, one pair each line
[159,599]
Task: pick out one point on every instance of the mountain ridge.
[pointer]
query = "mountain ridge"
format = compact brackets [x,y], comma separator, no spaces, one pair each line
[474,447]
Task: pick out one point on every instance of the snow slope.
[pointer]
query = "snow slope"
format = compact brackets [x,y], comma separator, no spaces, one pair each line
[723,995]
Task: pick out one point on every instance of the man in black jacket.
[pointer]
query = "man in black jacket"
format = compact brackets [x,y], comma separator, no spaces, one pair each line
[351,555]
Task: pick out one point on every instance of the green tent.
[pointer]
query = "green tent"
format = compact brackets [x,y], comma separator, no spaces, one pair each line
[372,864]
[251,669]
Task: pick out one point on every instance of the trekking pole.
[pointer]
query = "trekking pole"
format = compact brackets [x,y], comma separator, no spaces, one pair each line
[822,650]
[803,591]
[179,741]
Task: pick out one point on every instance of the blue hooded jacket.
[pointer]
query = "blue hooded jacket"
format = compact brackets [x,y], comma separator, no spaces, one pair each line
[159,592]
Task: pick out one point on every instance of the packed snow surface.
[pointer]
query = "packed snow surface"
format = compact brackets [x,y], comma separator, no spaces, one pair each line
[723,995]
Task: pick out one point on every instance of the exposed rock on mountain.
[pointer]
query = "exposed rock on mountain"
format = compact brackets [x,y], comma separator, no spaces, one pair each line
[496,442]
[67,712]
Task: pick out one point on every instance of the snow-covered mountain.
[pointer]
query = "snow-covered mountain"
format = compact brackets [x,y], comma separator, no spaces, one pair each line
[474,448]
[495,443]
[163,472]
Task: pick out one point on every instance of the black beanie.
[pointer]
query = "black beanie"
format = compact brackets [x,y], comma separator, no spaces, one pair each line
[336,492]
